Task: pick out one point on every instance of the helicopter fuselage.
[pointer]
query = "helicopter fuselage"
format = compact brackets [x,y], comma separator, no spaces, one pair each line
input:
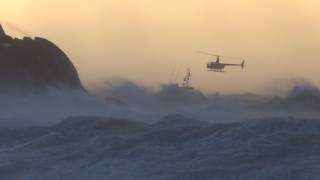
[215,66]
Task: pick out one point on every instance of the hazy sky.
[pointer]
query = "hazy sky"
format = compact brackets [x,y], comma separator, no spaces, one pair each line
[145,40]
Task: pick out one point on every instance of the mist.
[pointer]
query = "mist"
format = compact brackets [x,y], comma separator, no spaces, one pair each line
[128,100]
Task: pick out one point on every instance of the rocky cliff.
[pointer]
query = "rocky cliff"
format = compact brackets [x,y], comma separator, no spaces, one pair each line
[32,65]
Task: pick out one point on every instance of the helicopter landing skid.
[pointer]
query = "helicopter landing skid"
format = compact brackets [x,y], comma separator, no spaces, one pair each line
[217,71]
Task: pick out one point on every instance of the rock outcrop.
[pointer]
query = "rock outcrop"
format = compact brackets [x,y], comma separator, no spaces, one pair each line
[32,65]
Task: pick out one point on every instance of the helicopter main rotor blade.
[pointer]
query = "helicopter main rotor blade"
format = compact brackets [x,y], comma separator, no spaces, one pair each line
[210,54]
[205,53]
[232,57]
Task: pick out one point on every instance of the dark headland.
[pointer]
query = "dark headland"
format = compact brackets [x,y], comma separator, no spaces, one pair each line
[32,65]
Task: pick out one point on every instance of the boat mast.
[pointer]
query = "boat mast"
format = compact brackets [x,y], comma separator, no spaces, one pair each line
[186,80]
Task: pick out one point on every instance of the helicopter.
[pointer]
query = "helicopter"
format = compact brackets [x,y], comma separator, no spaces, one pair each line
[216,66]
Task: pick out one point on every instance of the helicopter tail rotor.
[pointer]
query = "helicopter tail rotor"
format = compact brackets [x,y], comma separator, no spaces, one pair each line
[242,64]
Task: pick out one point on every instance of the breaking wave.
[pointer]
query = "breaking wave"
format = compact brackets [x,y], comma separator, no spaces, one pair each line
[133,132]
[175,147]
